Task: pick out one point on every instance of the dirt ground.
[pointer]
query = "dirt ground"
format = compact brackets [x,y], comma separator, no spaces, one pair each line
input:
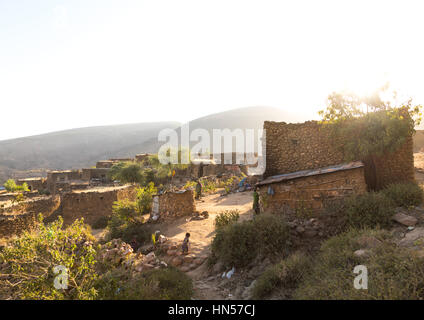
[202,232]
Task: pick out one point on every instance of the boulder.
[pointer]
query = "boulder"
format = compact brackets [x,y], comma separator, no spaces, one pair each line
[188,258]
[149,257]
[405,219]
[171,252]
[368,242]
[411,237]
[362,253]
[177,261]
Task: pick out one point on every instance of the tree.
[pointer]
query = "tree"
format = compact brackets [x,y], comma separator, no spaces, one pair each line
[11,186]
[369,126]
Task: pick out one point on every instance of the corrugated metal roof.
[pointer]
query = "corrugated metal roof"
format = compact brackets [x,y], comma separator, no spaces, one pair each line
[312,172]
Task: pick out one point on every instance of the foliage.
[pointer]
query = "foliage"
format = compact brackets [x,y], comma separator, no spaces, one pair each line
[126,172]
[380,129]
[159,284]
[237,244]
[26,264]
[19,198]
[145,198]
[404,194]
[368,210]
[11,186]
[226,217]
[127,224]
[394,273]
[285,275]
[190,184]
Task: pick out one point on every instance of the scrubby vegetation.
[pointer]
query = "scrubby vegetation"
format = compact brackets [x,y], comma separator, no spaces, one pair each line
[404,194]
[368,210]
[127,224]
[369,126]
[159,284]
[26,264]
[394,272]
[145,198]
[226,217]
[285,275]
[11,186]
[27,269]
[237,244]
[151,170]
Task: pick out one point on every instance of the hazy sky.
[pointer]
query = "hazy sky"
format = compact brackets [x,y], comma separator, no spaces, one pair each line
[66,64]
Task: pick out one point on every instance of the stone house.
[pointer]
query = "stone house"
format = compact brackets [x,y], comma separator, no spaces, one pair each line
[310,190]
[292,147]
[34,184]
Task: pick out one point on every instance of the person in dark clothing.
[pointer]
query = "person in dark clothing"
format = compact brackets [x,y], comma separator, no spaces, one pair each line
[186,240]
[256,201]
[198,190]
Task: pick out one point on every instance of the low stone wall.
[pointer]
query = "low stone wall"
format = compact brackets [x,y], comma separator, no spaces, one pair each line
[175,204]
[45,205]
[11,225]
[16,218]
[92,204]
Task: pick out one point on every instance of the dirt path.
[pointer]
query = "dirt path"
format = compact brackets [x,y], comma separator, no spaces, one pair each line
[202,232]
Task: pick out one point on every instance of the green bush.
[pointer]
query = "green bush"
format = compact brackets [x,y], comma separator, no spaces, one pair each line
[127,223]
[394,273]
[11,186]
[368,210]
[126,172]
[404,194]
[145,198]
[26,263]
[285,275]
[226,217]
[238,244]
[159,284]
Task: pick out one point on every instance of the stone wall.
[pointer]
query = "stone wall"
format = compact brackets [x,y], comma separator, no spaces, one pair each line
[104,164]
[302,146]
[92,204]
[45,205]
[14,219]
[11,225]
[95,173]
[298,146]
[396,167]
[34,183]
[309,194]
[176,204]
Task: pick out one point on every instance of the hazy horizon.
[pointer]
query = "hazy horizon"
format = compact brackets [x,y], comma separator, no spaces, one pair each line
[78,64]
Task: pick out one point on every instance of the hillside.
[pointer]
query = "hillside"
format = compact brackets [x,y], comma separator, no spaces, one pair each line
[82,147]
[242,118]
[75,148]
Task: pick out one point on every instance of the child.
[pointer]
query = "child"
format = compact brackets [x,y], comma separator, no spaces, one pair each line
[184,247]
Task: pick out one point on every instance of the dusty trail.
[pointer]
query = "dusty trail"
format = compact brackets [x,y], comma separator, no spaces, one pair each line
[202,232]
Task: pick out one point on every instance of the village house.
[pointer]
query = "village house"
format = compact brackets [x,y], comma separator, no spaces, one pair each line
[305,168]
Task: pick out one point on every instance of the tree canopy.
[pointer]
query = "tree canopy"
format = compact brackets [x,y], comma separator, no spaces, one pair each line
[369,125]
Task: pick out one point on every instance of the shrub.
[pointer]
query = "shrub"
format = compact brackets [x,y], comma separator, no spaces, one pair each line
[237,244]
[145,198]
[126,172]
[368,210]
[26,264]
[226,217]
[393,273]
[159,284]
[11,186]
[404,194]
[286,275]
[100,223]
